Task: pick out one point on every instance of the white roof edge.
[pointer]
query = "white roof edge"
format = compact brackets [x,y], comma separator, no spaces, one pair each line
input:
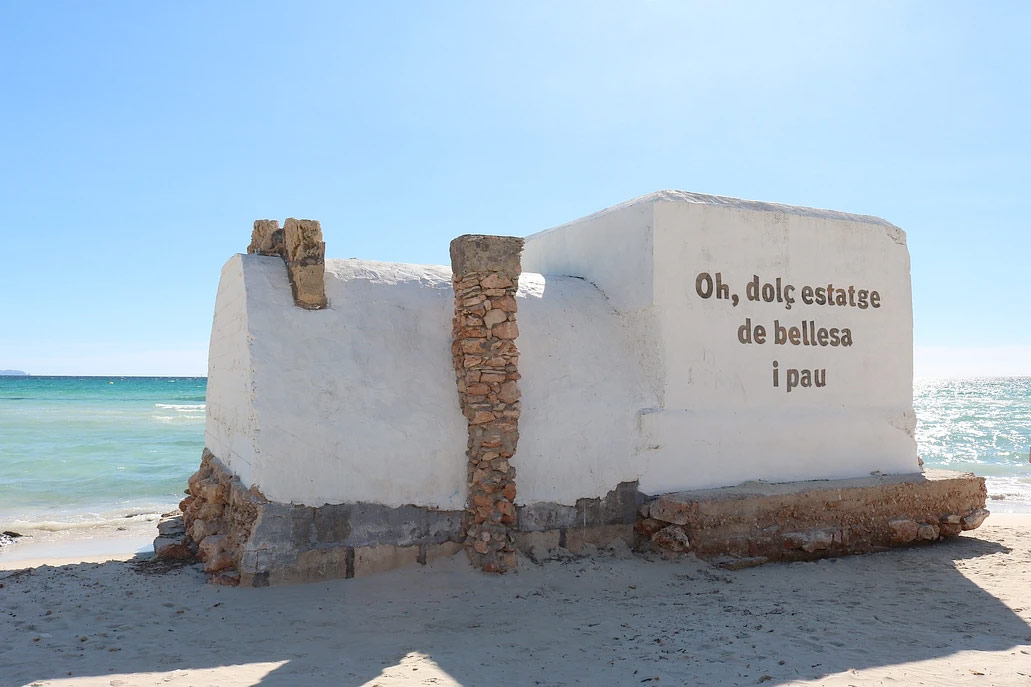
[357,268]
[675,196]
[387,264]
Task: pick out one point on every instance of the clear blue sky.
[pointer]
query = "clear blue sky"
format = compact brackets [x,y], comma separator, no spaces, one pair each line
[139,140]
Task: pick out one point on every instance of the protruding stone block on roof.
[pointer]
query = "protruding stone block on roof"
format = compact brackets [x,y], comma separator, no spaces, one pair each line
[305,256]
[267,238]
[300,245]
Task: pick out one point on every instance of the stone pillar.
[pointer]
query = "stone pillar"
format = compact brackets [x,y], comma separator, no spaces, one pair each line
[486,276]
[300,245]
[267,238]
[305,256]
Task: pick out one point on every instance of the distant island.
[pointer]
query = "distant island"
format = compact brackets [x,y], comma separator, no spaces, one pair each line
[13,373]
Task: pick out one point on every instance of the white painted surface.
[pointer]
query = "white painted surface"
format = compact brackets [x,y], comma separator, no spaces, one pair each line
[627,374]
[613,246]
[353,403]
[719,420]
[581,386]
[231,432]
[358,402]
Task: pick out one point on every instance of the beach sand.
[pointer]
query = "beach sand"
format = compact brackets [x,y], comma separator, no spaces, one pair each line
[955,613]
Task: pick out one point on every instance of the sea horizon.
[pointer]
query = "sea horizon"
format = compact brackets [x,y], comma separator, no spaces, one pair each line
[96,456]
[916,378]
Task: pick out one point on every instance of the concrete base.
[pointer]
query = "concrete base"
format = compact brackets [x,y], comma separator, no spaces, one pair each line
[758,522]
[244,538]
[590,523]
[291,543]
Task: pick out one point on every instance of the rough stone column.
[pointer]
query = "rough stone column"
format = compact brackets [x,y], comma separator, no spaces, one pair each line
[267,238]
[305,256]
[300,245]
[486,276]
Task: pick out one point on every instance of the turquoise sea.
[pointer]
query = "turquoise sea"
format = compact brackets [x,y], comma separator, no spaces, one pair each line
[82,454]
[981,426]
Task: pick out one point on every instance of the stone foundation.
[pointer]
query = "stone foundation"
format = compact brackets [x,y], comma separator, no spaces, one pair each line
[590,523]
[758,522]
[243,538]
[218,516]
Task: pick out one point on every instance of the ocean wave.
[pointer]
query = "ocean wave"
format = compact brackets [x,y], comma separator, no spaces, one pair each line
[1014,488]
[81,521]
[182,407]
[185,419]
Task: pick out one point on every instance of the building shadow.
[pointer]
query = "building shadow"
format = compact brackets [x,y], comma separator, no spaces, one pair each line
[597,621]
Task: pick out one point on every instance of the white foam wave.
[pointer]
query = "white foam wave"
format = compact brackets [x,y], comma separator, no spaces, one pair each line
[178,419]
[1009,489]
[81,521]
[182,407]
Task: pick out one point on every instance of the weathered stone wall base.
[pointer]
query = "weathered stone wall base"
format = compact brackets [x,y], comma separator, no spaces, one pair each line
[758,522]
[218,516]
[292,543]
[592,523]
[344,562]
[243,538]
[578,540]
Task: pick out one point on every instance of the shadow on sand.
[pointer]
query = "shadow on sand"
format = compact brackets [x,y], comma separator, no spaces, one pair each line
[595,621]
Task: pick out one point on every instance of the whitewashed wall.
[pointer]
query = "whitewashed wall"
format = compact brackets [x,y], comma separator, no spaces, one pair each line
[720,420]
[231,428]
[353,403]
[358,402]
[582,385]
[627,372]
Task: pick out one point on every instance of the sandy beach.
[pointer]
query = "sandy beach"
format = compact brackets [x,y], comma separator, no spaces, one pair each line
[955,613]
